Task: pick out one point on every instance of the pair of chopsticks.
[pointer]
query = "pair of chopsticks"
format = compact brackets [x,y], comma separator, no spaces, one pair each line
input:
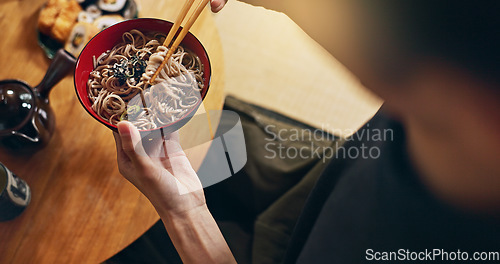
[173,31]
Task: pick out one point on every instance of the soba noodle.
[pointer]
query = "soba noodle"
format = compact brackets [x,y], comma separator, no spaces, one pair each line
[118,87]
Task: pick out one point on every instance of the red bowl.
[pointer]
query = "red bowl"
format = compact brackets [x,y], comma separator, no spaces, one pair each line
[111,36]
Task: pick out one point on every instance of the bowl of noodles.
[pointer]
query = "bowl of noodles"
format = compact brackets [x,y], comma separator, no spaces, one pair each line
[113,71]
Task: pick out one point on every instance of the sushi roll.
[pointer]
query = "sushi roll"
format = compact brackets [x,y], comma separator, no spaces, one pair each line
[111,6]
[107,20]
[85,17]
[81,33]
[93,11]
[131,10]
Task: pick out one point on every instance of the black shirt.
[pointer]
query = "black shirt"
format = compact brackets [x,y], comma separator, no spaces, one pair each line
[374,207]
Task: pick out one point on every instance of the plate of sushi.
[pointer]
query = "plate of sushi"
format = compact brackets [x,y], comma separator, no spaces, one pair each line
[70,24]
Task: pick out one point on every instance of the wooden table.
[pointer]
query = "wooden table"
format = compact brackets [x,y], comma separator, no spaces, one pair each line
[82,210]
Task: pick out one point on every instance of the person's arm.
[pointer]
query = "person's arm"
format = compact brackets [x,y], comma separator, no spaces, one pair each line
[162,172]
[197,237]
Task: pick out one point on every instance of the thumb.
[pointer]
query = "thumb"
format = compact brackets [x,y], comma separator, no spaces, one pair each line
[131,143]
[217,5]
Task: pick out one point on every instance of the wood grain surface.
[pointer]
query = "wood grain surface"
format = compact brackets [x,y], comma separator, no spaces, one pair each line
[82,210]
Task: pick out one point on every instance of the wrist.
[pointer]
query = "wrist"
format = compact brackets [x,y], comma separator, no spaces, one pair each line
[170,202]
[196,236]
[184,215]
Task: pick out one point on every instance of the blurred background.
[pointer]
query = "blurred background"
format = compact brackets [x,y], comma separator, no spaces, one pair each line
[296,76]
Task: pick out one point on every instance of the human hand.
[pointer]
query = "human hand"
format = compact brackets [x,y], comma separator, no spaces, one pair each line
[160,170]
[217,5]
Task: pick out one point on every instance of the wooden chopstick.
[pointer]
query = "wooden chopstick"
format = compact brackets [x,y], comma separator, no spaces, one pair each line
[178,22]
[182,34]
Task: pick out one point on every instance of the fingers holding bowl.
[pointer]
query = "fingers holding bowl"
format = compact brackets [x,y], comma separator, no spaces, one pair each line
[130,142]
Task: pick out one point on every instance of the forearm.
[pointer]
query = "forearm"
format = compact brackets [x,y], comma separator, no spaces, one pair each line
[197,237]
